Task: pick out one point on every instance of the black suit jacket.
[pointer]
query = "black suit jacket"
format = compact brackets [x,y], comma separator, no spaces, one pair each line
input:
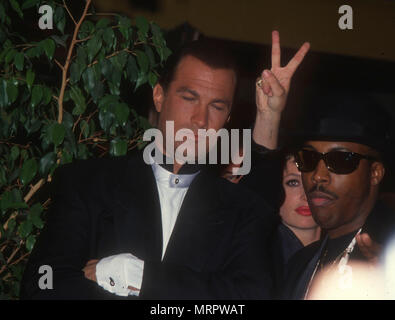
[218,248]
[380,225]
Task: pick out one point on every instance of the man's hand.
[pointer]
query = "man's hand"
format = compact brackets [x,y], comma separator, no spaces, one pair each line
[90,270]
[369,248]
[272,94]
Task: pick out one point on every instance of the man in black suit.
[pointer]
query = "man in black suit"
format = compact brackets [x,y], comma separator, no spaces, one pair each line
[342,160]
[123,228]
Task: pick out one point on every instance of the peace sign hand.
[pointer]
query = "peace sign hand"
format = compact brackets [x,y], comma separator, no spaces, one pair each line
[273,87]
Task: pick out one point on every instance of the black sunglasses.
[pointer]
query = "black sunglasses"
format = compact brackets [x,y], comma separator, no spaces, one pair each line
[339,162]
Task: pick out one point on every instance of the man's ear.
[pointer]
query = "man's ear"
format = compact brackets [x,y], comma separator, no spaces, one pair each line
[377,171]
[158,95]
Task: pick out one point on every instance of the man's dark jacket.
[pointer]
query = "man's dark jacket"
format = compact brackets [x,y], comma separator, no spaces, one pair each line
[110,206]
[380,225]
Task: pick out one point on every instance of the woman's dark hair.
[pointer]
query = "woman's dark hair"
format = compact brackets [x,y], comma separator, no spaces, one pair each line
[286,154]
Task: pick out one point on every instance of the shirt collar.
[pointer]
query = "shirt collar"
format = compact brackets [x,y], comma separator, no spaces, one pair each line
[172,180]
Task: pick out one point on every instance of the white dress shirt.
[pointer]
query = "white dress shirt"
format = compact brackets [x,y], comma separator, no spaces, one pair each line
[116,273]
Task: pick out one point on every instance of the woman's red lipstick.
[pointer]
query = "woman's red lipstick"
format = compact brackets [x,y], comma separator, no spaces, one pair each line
[303,211]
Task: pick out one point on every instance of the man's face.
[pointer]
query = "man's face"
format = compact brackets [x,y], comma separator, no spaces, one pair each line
[340,202]
[199,97]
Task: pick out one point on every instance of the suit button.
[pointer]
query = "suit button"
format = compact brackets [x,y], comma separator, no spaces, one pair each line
[112,283]
[176,181]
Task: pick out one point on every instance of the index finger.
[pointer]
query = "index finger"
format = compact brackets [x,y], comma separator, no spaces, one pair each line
[298,57]
[276,51]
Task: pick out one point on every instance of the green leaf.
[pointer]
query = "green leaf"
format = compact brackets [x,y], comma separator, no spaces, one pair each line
[25,228]
[16,7]
[108,36]
[142,25]
[67,157]
[89,79]
[49,47]
[97,91]
[118,147]
[125,27]
[12,91]
[142,61]
[119,60]
[2,14]
[46,163]
[10,56]
[29,4]
[106,117]
[60,40]
[121,112]
[152,79]
[37,95]
[82,57]
[28,171]
[142,78]
[93,47]
[34,215]
[132,70]
[102,23]
[14,153]
[19,60]
[106,68]
[3,178]
[60,18]
[30,242]
[84,127]
[30,75]
[75,73]
[11,225]
[86,29]
[108,100]
[3,94]
[47,95]
[56,133]
[82,151]
[34,52]
[79,100]
[150,54]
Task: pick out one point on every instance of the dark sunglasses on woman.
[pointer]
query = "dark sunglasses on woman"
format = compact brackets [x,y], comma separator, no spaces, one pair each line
[339,162]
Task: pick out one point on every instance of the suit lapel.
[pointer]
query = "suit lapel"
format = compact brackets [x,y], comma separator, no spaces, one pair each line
[197,223]
[137,211]
[306,277]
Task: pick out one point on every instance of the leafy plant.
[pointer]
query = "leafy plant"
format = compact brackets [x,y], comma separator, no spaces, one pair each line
[77,112]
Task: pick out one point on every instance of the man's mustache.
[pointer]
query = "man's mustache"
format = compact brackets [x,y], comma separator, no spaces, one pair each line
[321,188]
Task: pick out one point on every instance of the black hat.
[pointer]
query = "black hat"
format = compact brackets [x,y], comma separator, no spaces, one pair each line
[347,116]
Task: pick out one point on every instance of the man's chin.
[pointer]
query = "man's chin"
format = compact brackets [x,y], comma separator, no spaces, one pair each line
[322,216]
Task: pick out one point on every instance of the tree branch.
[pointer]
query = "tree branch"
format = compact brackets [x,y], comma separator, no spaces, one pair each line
[33,190]
[68,11]
[67,63]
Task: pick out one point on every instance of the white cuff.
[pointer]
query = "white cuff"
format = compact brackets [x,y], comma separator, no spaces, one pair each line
[116,273]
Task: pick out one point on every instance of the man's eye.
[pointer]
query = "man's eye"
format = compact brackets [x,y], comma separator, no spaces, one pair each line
[217,107]
[188,98]
[292,183]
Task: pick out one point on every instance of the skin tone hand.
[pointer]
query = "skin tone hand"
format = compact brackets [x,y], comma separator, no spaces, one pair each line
[90,272]
[369,248]
[271,95]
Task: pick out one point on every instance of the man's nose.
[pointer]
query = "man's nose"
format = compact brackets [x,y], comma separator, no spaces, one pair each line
[321,173]
[200,116]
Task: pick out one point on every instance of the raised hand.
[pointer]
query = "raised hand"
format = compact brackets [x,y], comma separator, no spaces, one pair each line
[273,87]
[369,248]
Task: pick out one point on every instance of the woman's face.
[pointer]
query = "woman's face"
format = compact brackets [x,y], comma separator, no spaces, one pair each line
[295,211]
